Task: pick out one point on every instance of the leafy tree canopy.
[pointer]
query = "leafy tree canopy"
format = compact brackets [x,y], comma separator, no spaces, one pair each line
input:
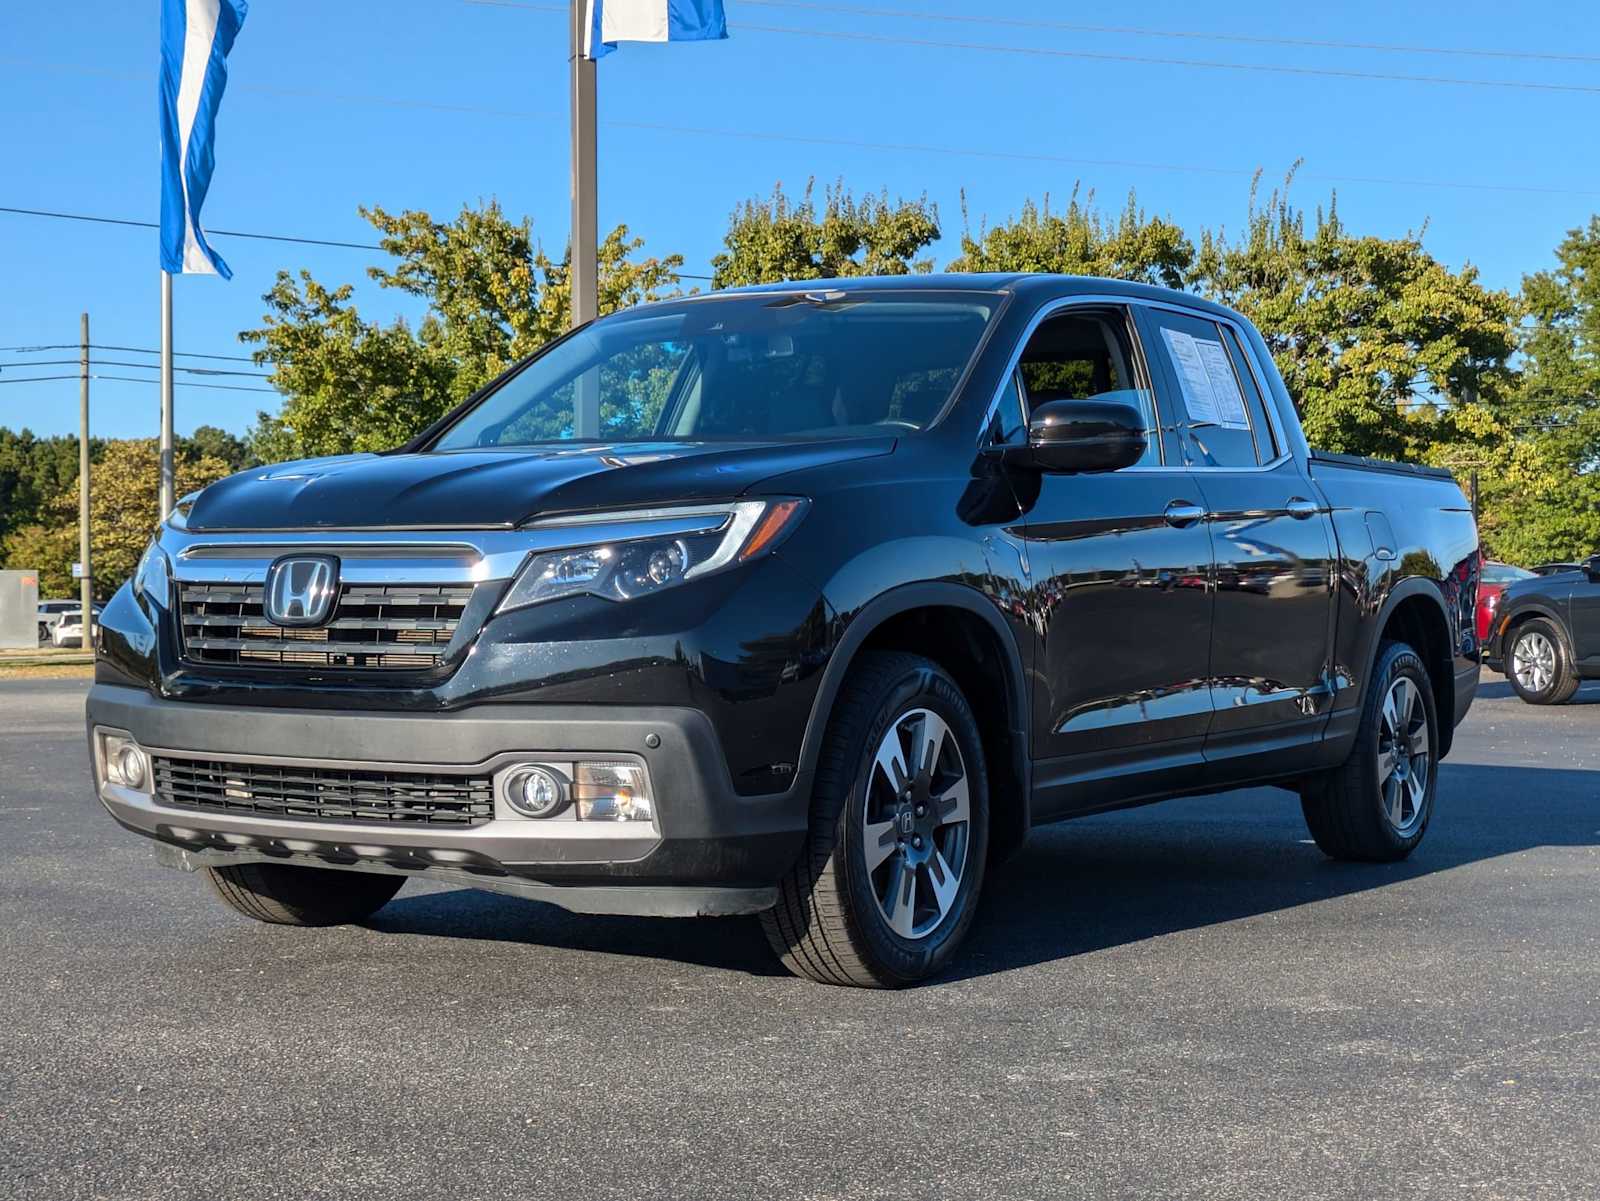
[492,296]
[1081,241]
[778,239]
[123,500]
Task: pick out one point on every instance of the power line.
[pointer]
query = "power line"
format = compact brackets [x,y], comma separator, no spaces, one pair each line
[1200,63]
[186,354]
[1099,56]
[226,233]
[1136,31]
[142,366]
[139,379]
[768,136]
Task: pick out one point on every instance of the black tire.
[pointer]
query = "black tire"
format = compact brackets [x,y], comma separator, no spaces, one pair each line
[289,895]
[1347,808]
[1563,676]
[828,925]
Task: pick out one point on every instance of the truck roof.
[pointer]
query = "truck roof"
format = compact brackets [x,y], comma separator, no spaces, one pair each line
[1036,284]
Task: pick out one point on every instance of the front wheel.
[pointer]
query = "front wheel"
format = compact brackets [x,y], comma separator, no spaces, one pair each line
[1538,665]
[286,894]
[889,880]
[1375,807]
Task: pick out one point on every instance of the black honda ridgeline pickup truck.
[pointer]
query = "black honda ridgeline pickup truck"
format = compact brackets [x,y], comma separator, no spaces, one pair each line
[805,601]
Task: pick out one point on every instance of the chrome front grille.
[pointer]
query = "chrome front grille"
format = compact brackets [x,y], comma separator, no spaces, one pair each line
[395,627]
[324,793]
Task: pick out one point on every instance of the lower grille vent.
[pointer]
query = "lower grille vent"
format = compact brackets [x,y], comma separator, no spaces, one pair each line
[324,793]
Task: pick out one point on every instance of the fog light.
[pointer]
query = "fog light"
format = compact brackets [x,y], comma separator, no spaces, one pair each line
[536,792]
[612,792]
[125,763]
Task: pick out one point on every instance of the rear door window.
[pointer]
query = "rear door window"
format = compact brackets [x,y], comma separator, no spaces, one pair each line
[1219,420]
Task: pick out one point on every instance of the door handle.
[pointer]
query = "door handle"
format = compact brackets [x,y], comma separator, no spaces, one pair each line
[1301,508]
[1183,512]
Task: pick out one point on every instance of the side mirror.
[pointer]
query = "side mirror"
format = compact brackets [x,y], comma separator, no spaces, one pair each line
[1592,567]
[1082,435]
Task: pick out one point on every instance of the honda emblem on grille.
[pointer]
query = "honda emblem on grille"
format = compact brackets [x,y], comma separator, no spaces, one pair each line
[301,590]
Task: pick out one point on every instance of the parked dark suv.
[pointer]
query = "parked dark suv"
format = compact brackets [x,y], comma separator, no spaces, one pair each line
[1546,635]
[805,601]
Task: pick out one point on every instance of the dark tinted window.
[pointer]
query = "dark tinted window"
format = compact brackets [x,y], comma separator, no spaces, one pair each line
[1205,392]
[1087,355]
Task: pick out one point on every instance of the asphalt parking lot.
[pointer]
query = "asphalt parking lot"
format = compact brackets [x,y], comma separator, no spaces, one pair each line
[1179,1001]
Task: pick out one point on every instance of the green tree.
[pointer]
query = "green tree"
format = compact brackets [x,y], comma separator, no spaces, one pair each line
[123,501]
[32,471]
[1081,241]
[1367,331]
[209,441]
[1540,474]
[777,239]
[492,297]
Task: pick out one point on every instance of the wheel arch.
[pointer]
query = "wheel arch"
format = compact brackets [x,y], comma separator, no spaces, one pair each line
[958,628]
[1415,613]
[1526,612]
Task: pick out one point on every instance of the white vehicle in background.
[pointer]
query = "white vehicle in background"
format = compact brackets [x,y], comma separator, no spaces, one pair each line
[68,630]
[50,612]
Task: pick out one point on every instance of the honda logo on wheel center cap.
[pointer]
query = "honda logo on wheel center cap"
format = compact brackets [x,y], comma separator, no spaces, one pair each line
[301,590]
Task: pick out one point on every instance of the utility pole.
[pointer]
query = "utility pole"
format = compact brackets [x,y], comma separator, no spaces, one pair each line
[584,271]
[166,497]
[86,585]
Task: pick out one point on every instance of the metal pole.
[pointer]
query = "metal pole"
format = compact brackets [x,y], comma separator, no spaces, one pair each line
[167,484]
[86,585]
[585,269]
[1474,496]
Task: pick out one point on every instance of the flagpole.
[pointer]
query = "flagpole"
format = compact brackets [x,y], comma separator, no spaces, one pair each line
[585,271]
[167,484]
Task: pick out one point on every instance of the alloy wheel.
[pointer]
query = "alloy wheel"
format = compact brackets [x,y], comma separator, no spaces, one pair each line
[916,823]
[1533,661]
[1404,755]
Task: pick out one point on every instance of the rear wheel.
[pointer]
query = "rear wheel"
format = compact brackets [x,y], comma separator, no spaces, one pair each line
[1376,806]
[1538,666]
[889,880]
[290,895]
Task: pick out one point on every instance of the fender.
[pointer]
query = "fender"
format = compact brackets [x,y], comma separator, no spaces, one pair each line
[1403,591]
[902,599]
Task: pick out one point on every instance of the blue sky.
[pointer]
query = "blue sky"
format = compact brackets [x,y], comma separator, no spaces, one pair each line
[329,108]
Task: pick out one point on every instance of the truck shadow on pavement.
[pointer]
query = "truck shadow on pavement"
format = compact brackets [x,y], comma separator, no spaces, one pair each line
[1099,882]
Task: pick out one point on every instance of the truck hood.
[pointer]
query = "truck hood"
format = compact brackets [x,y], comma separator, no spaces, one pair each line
[498,488]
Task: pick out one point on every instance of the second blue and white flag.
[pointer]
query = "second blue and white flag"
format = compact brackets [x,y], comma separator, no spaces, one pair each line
[196,36]
[613,21]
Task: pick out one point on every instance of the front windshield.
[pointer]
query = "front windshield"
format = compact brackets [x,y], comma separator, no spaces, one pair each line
[752,366]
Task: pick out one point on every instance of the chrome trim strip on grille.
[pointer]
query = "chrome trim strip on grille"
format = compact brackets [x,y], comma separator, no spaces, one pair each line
[404,556]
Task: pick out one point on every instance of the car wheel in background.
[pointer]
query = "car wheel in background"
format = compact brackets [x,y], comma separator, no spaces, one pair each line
[1376,806]
[289,895]
[889,879]
[1537,663]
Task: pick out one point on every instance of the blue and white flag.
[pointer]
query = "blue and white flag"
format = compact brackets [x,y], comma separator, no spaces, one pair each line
[196,36]
[613,21]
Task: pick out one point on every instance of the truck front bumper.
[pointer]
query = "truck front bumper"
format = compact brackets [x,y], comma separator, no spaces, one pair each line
[707,850]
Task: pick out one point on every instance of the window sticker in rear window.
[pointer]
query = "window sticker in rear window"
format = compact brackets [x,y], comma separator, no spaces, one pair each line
[1210,389]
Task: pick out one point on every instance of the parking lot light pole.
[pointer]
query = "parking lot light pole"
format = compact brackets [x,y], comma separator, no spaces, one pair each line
[86,586]
[584,268]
